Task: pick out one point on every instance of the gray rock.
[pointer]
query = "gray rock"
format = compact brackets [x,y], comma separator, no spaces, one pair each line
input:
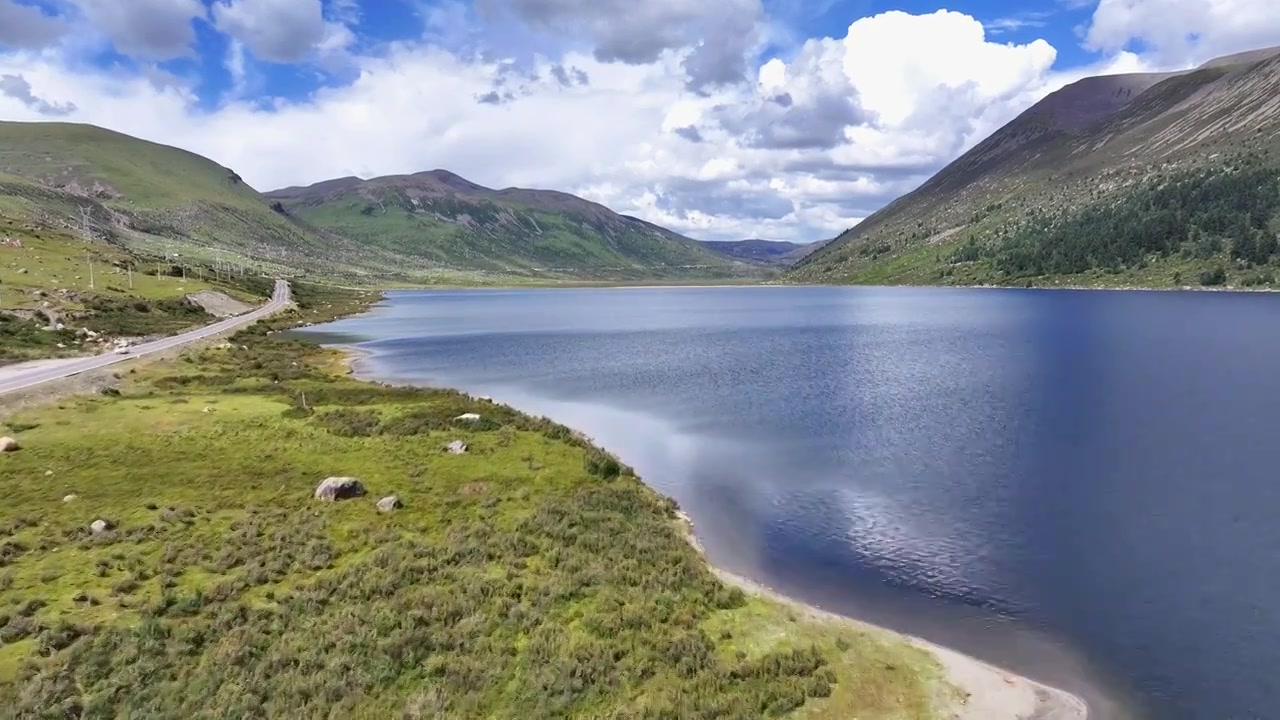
[389,503]
[457,447]
[339,488]
[8,444]
[100,526]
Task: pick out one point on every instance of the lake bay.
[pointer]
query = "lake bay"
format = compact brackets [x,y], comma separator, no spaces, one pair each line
[1079,486]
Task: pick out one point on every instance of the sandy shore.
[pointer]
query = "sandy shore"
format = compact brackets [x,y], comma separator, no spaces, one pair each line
[992,693]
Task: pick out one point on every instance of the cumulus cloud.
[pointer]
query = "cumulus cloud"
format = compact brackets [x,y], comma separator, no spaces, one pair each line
[284,31]
[149,29]
[26,27]
[17,87]
[719,35]
[807,104]
[1177,33]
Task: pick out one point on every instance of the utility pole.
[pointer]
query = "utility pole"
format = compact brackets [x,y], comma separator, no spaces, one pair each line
[86,219]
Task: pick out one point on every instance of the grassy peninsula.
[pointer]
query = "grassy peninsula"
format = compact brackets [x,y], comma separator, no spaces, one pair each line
[532,576]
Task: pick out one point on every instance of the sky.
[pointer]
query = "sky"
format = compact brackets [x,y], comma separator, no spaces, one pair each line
[720,119]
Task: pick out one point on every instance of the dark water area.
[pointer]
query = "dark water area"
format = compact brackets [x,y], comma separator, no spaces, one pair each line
[1080,486]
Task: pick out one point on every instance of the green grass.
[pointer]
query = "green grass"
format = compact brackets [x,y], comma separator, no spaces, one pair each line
[55,261]
[530,577]
[45,275]
[158,200]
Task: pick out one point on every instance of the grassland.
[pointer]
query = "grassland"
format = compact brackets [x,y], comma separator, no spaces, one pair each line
[533,576]
[49,277]
[158,201]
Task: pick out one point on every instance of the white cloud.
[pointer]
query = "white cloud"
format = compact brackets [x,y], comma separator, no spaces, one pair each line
[148,29]
[283,31]
[715,37]
[23,26]
[1179,33]
[895,80]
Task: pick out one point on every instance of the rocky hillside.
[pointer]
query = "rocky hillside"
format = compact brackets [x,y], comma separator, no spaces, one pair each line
[1151,179]
[440,218]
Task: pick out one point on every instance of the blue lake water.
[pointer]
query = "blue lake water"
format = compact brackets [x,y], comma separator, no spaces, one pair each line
[1083,486]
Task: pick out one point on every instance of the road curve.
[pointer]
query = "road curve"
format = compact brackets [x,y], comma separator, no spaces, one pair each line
[55,371]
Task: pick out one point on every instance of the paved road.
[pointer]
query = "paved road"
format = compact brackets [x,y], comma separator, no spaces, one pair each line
[44,371]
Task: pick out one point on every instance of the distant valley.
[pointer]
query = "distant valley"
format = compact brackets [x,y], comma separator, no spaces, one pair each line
[765,252]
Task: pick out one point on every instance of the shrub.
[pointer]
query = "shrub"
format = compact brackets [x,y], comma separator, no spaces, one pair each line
[1216,276]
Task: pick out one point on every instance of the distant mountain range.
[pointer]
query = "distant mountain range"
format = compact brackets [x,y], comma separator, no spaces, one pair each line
[157,200]
[442,219]
[1148,179]
[765,252]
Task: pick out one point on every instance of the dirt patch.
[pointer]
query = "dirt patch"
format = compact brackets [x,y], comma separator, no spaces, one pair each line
[218,304]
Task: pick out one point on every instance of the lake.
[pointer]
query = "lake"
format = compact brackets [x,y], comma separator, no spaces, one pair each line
[1080,486]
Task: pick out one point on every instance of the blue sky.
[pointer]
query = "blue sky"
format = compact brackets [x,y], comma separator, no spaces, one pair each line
[784,119]
[378,22]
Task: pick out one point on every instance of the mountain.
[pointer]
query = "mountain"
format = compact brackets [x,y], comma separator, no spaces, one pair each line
[1145,179]
[766,252]
[442,219]
[155,200]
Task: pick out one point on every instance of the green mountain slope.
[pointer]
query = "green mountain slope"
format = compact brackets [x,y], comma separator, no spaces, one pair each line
[155,200]
[442,219]
[1152,180]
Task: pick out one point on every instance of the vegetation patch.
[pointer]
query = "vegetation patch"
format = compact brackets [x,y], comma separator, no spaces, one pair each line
[533,576]
[1198,215]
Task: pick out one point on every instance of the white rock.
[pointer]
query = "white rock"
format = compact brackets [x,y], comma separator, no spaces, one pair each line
[389,503]
[70,498]
[339,488]
[100,526]
[468,417]
[8,444]
[457,447]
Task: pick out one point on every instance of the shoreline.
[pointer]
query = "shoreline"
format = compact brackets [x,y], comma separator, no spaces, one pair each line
[992,693]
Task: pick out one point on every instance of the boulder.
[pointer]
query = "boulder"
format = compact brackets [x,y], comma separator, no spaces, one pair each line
[100,526]
[468,417]
[8,444]
[457,447]
[389,503]
[339,488]
[69,498]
